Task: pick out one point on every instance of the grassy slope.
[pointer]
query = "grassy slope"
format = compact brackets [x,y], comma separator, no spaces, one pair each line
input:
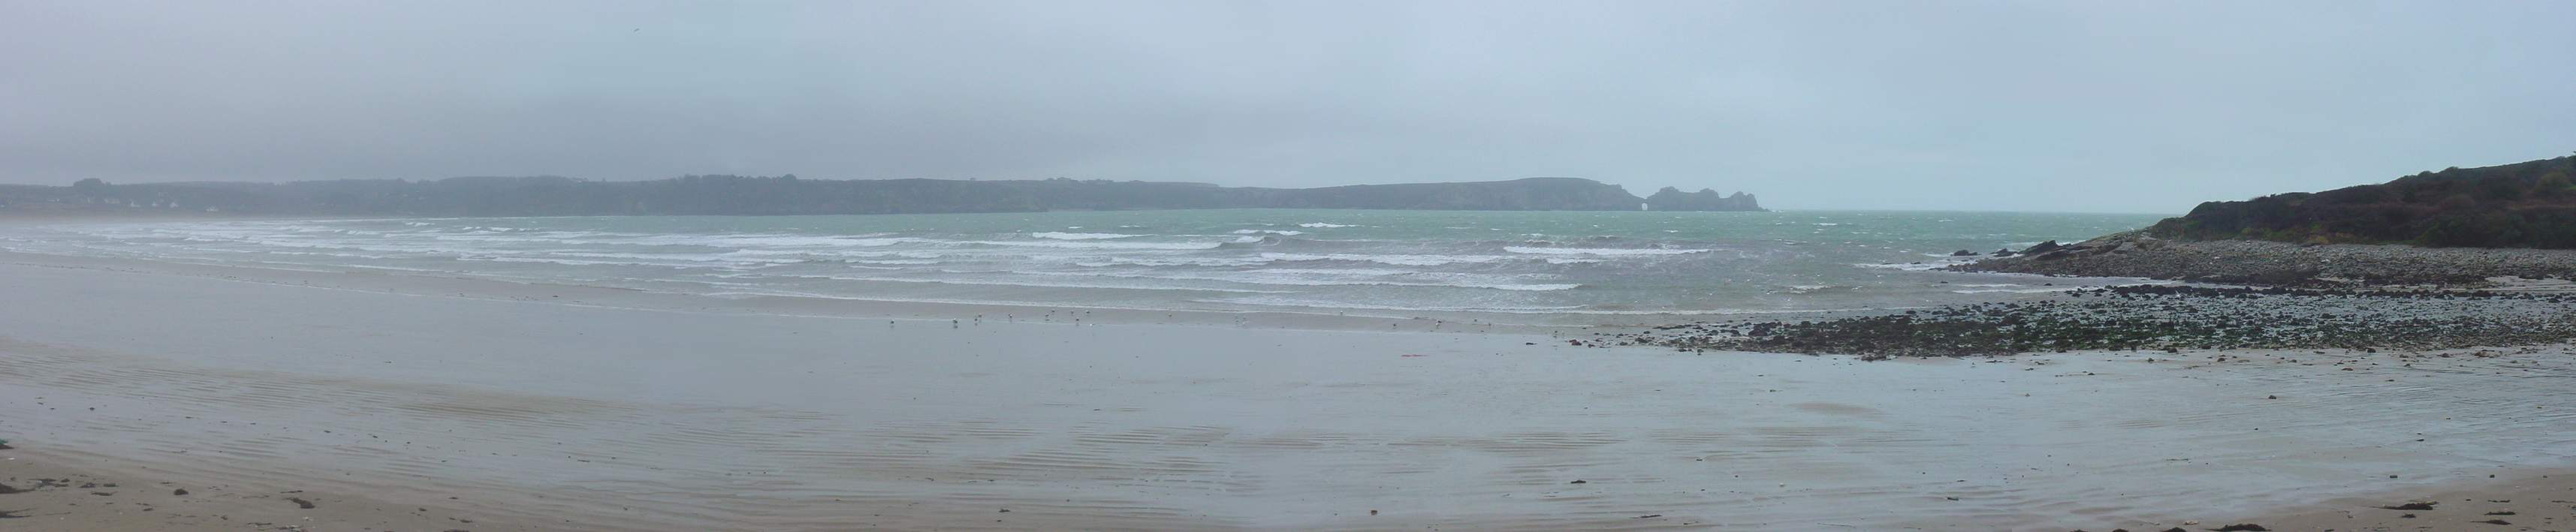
[2529,205]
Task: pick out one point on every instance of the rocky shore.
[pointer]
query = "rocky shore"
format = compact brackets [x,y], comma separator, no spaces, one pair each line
[2256,262]
[2160,318]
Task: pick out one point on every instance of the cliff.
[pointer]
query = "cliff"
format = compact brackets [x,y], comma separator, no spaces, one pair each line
[2521,205]
[787,195]
[1673,199]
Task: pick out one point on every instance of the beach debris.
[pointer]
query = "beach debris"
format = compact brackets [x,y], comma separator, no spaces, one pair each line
[6,489]
[179,492]
[2501,512]
[301,503]
[1412,356]
[2494,522]
[1650,516]
[1577,482]
[4,445]
[2243,527]
[10,514]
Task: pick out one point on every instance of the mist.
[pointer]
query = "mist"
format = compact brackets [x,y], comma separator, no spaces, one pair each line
[1825,105]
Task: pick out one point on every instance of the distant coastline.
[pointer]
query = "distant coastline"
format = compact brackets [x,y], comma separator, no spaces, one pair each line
[2456,259]
[790,195]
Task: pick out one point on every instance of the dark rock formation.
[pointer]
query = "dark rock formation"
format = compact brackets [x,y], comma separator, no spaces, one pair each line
[2139,254]
[1673,199]
[2155,318]
[2529,204]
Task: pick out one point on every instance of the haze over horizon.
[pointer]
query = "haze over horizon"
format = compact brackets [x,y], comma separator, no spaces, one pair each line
[1950,106]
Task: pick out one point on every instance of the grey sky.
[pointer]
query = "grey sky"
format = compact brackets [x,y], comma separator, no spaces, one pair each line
[2072,105]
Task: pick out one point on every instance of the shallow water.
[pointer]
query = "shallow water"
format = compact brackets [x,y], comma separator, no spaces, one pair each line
[1520,267]
[672,419]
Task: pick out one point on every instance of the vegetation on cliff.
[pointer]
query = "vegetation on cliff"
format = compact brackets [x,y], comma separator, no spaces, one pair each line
[2529,204]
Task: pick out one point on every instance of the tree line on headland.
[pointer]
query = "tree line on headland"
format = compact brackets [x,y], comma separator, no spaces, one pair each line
[790,195]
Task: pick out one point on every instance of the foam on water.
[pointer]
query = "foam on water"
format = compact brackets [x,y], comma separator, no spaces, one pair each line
[1610,263]
[1080,236]
[1599,251]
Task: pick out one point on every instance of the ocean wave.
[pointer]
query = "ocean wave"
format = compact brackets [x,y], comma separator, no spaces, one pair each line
[999,282]
[1600,251]
[1530,287]
[1910,266]
[1322,225]
[1080,236]
[1398,260]
[2042,290]
[1273,301]
[1332,277]
[1211,262]
[566,262]
[1087,244]
[1281,232]
[760,241]
[706,257]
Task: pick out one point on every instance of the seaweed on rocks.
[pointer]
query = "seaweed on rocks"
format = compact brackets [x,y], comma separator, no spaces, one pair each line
[2160,318]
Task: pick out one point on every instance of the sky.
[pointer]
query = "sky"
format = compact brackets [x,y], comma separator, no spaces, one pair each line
[2083,106]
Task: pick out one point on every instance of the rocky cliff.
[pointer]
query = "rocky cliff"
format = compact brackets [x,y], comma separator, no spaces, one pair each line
[1673,199]
[2525,205]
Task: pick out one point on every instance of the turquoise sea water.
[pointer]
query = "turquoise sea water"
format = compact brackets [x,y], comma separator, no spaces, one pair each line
[1555,267]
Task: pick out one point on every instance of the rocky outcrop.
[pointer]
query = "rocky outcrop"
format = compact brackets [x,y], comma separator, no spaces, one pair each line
[2141,254]
[2524,205]
[1673,199]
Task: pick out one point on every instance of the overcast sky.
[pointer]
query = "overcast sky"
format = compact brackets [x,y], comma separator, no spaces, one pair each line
[2059,105]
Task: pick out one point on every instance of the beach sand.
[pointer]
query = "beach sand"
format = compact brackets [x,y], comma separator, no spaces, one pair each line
[408,403]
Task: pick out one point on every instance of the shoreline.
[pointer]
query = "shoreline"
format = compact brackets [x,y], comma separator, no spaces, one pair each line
[713,418]
[50,491]
[2267,263]
[56,490]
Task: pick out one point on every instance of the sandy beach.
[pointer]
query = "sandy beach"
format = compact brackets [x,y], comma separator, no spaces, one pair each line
[395,402]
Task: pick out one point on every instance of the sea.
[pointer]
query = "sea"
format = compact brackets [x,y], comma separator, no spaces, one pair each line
[1506,267]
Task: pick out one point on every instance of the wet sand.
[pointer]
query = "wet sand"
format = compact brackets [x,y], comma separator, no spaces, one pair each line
[575,408]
